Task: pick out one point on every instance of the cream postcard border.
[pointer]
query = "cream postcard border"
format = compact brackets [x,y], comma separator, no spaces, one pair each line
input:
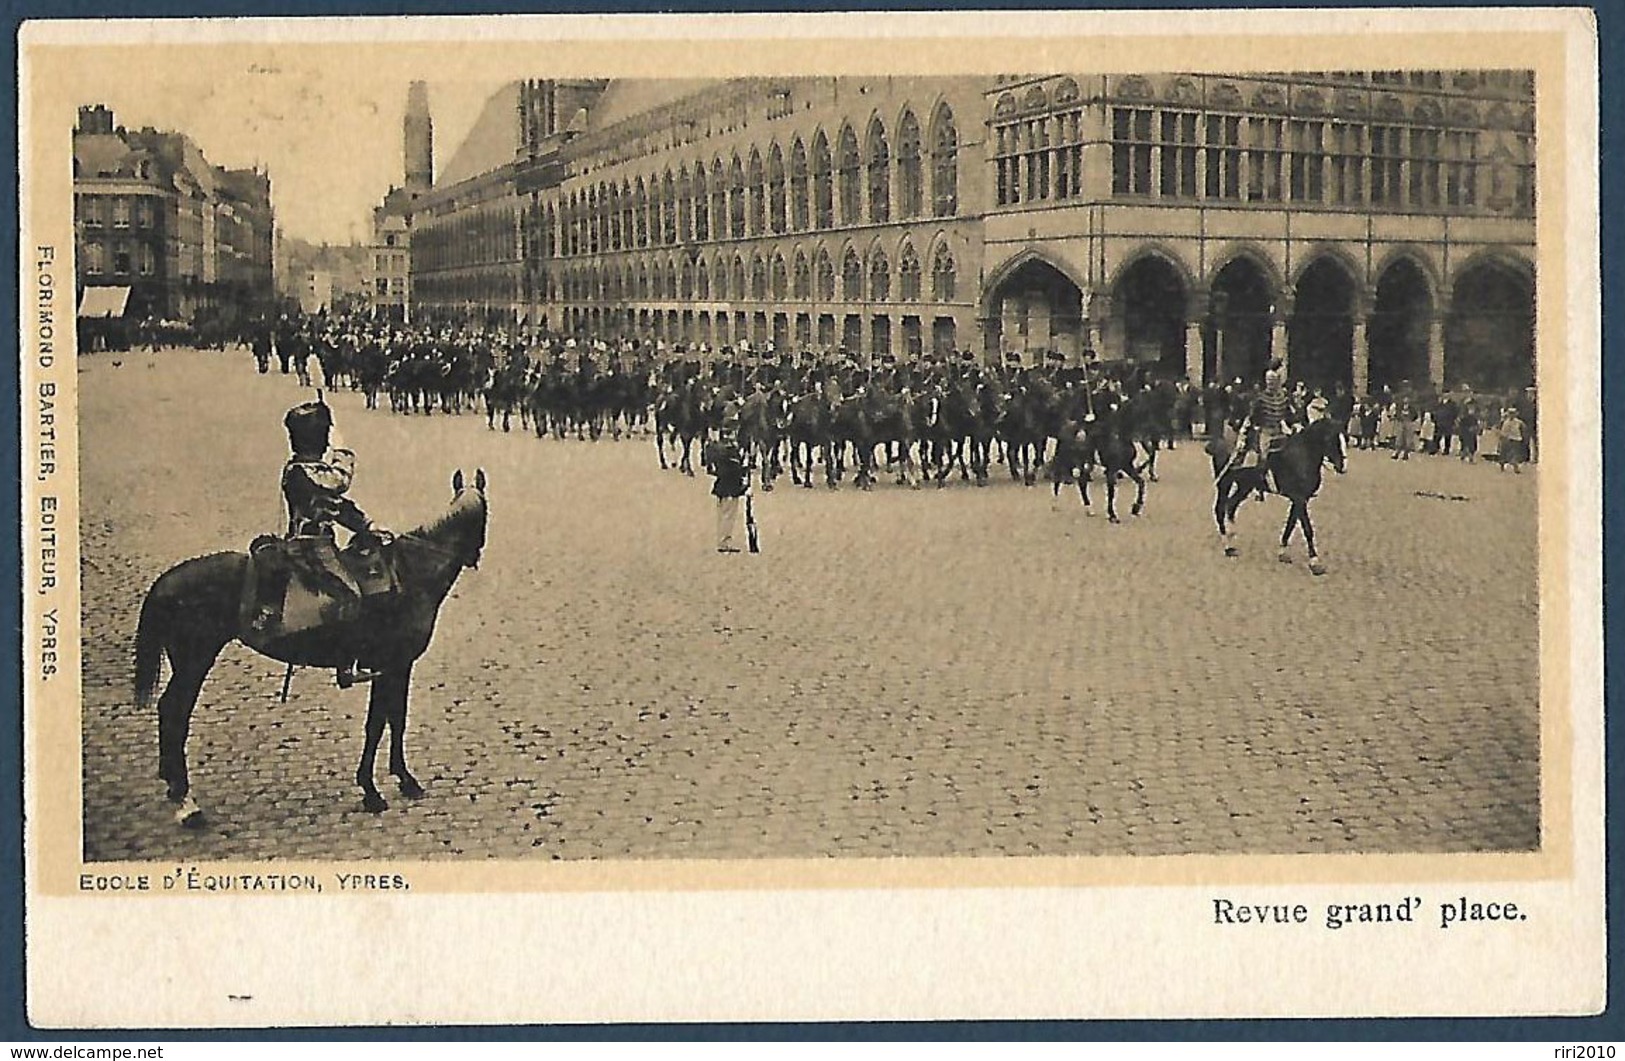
[853,939]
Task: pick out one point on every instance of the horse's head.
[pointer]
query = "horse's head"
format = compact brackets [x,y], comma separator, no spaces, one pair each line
[1332,448]
[464,524]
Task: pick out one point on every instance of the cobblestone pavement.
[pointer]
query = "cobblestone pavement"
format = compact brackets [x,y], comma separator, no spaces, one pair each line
[956,672]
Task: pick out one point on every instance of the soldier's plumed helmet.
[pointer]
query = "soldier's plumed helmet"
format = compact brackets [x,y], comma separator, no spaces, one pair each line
[309,425]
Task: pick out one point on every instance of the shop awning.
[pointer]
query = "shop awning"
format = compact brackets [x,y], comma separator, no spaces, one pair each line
[103,301]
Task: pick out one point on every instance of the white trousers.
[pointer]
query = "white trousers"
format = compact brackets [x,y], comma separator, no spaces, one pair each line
[728,522]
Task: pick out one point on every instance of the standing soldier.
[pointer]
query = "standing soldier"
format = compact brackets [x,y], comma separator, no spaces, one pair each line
[725,463]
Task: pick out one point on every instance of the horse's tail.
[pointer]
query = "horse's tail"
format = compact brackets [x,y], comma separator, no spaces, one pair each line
[149,652]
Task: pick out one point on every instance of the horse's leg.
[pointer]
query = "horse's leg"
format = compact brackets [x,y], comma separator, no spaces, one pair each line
[1292,514]
[398,685]
[1139,491]
[378,710]
[1315,565]
[1111,496]
[175,707]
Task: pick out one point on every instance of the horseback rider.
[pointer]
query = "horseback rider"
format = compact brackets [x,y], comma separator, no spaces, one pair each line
[315,481]
[1273,416]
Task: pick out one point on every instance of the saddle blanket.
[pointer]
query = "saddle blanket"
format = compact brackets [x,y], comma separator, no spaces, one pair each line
[308,583]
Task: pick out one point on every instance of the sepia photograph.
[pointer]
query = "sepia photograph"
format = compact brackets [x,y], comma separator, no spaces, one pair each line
[467,464]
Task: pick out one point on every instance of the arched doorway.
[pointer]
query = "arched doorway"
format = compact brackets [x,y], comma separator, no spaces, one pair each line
[1401,319]
[1320,335]
[1490,334]
[1236,340]
[1034,308]
[1149,305]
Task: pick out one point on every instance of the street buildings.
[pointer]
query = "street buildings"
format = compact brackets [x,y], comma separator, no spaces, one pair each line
[389,288]
[323,277]
[1371,229]
[176,237]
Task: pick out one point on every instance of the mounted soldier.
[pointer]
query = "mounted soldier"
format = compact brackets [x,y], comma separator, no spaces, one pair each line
[315,482]
[1274,415]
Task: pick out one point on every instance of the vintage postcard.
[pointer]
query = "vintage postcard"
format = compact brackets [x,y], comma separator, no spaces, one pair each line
[811,517]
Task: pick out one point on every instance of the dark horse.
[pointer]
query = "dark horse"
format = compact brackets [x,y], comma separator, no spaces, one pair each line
[1295,469]
[195,609]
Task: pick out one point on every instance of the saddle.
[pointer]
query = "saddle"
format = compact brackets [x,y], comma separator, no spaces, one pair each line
[304,584]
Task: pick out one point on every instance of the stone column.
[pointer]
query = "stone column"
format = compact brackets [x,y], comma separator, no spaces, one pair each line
[1278,338]
[1436,352]
[1361,356]
[1096,308]
[1193,341]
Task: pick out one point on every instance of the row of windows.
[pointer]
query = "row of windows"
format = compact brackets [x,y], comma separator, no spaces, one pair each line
[803,278]
[126,260]
[470,288]
[814,188]
[389,263]
[857,334]
[473,238]
[1186,155]
[119,211]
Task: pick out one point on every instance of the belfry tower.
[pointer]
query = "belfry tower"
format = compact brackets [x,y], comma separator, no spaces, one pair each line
[419,138]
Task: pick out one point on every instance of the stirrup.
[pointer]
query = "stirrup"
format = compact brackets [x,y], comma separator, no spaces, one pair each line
[352,676]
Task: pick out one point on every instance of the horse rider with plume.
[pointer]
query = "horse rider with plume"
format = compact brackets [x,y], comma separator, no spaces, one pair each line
[315,482]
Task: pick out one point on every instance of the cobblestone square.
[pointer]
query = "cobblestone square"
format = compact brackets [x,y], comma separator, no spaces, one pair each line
[956,672]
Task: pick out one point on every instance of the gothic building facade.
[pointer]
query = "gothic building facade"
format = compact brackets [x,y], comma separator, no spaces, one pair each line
[1370,229]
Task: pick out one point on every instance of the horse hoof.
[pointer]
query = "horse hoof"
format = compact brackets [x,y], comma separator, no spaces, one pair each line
[189,815]
[1283,558]
[1316,567]
[411,788]
[373,803]
[1135,510]
[1232,551]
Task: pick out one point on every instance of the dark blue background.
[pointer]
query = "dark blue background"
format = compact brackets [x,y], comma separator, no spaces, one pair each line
[13,1022]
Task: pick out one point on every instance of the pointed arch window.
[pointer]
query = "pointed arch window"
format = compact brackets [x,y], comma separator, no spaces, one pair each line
[736,281]
[910,192]
[777,213]
[826,276]
[852,276]
[849,173]
[799,212]
[702,206]
[758,195]
[908,275]
[781,278]
[803,278]
[942,275]
[823,184]
[944,164]
[736,200]
[668,206]
[879,164]
[719,200]
[879,277]
[628,227]
[640,215]
[685,207]
[722,279]
[758,277]
[702,281]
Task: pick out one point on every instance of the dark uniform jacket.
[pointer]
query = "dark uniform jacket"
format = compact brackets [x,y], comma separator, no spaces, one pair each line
[725,462]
